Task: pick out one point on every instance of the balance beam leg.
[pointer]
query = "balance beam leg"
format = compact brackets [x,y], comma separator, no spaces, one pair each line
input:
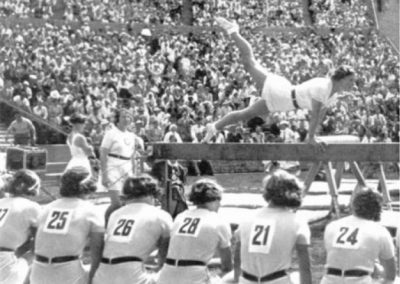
[332,188]
[358,174]
[361,183]
[382,183]
[339,173]
[311,176]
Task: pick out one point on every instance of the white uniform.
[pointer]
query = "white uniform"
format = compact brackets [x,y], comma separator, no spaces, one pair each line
[355,243]
[277,93]
[17,216]
[78,156]
[196,235]
[133,231]
[121,144]
[267,241]
[64,228]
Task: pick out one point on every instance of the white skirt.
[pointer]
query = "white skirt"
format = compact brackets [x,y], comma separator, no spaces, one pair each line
[79,162]
[13,270]
[184,274]
[71,272]
[123,273]
[277,93]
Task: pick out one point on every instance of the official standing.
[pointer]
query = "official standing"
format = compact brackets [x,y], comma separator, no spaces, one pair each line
[117,157]
[23,130]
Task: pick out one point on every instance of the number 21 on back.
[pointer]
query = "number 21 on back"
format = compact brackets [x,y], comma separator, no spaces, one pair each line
[261,236]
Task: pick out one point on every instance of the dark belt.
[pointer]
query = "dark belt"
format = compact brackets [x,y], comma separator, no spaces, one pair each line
[268,277]
[347,273]
[58,259]
[294,100]
[184,262]
[5,249]
[119,157]
[121,259]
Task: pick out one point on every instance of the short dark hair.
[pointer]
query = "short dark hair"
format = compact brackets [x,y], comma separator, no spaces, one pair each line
[205,190]
[77,181]
[283,189]
[77,118]
[367,204]
[342,72]
[140,186]
[24,182]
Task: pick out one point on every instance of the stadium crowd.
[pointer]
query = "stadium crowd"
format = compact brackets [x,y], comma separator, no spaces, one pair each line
[167,12]
[188,79]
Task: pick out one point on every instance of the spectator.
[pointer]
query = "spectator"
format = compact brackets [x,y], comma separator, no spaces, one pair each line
[302,130]
[258,135]
[23,130]
[236,136]
[172,136]
[197,130]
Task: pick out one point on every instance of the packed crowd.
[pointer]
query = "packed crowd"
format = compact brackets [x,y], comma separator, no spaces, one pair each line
[170,12]
[178,82]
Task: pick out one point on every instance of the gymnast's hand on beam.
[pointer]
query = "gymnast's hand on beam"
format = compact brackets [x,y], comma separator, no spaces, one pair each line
[318,143]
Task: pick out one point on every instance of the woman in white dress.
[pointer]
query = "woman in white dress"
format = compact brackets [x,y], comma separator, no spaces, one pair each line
[80,149]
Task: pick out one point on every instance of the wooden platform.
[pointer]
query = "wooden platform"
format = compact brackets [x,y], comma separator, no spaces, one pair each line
[371,152]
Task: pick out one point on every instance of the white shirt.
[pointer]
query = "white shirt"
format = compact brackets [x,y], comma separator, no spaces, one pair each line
[119,143]
[318,89]
[268,238]
[355,243]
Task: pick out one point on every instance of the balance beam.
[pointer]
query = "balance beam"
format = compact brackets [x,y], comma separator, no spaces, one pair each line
[374,152]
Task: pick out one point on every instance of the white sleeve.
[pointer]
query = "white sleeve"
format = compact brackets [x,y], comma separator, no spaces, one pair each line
[318,90]
[225,234]
[303,233]
[386,245]
[167,137]
[107,139]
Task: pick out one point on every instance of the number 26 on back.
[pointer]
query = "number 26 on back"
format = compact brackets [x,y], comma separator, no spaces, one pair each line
[261,237]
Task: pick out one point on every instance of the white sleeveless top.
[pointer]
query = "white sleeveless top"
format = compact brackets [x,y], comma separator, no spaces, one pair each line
[78,156]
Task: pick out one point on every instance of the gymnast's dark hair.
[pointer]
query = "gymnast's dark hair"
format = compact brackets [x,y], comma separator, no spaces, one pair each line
[342,72]
[205,190]
[23,182]
[283,189]
[367,204]
[76,182]
[140,186]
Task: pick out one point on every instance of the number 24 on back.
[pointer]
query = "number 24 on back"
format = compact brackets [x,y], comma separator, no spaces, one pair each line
[347,237]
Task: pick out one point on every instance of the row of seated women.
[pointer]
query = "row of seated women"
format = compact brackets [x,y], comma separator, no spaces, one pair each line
[58,233]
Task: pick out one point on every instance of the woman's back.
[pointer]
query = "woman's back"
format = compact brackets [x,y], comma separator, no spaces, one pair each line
[76,151]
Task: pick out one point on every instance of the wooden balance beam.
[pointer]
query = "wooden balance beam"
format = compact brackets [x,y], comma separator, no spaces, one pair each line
[376,152]
[339,149]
